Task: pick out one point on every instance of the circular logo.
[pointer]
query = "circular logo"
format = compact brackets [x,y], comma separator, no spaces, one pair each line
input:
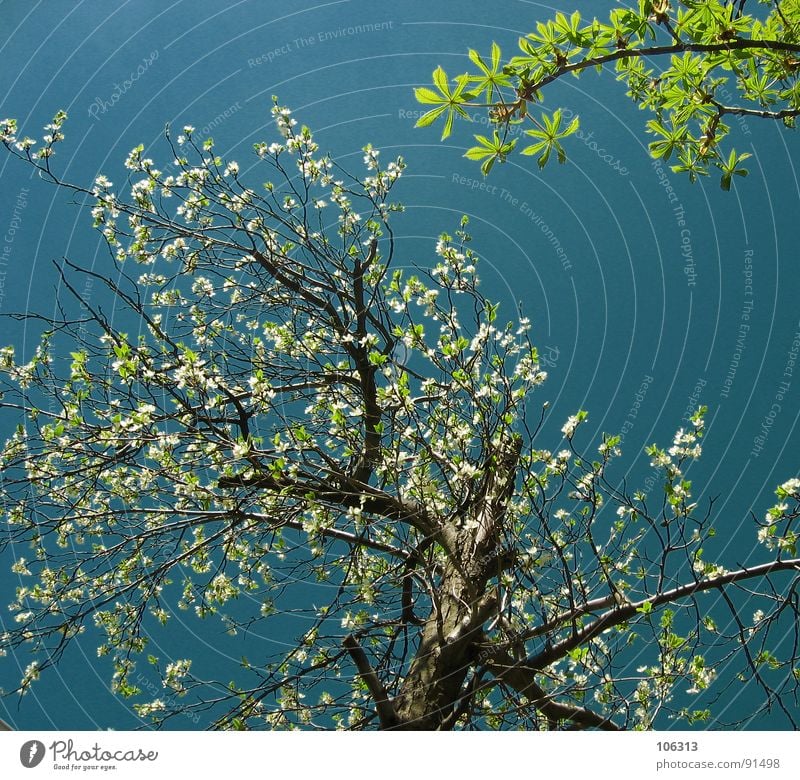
[31,753]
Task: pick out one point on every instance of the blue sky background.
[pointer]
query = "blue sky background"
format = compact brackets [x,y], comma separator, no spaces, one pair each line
[648,292]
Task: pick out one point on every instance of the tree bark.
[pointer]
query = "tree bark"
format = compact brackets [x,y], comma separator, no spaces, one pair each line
[446,651]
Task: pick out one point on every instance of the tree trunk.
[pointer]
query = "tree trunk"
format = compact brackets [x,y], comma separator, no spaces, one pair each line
[462,603]
[446,651]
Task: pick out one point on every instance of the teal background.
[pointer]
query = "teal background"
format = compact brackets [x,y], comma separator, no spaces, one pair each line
[620,307]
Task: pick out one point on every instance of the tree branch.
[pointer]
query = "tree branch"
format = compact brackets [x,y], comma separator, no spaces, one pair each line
[384,706]
[784,113]
[522,678]
[369,498]
[622,613]
[654,51]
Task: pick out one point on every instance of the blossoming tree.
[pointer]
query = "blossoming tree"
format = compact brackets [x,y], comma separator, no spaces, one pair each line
[277,421]
[693,66]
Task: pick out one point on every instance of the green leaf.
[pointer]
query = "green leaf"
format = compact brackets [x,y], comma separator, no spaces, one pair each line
[477,153]
[448,125]
[425,95]
[490,151]
[450,101]
[440,79]
[429,117]
[730,168]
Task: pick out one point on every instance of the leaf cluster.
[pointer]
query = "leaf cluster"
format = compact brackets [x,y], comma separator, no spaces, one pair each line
[693,65]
